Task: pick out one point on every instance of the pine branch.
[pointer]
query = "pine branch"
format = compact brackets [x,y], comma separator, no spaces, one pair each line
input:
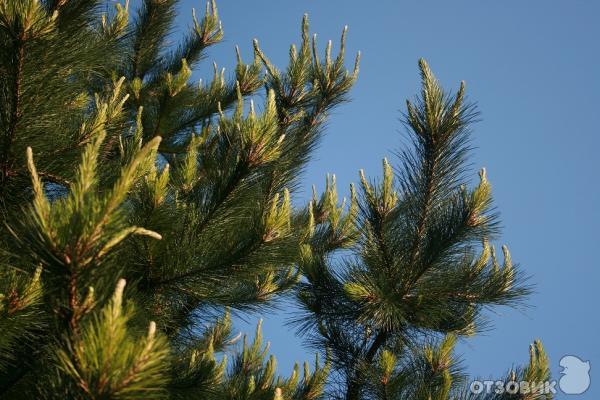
[356,382]
[16,105]
[153,23]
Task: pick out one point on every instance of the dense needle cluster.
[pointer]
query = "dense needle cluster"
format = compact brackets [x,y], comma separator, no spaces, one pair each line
[141,208]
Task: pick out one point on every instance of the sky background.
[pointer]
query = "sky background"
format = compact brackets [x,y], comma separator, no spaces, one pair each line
[532,67]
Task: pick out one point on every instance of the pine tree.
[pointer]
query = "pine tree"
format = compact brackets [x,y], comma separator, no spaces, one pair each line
[417,267]
[140,209]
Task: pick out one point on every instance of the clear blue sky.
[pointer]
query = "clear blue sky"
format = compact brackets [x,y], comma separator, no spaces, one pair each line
[532,66]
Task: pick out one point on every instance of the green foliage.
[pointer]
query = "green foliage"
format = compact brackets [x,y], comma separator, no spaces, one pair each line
[21,317]
[107,361]
[184,190]
[429,372]
[532,377]
[420,264]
